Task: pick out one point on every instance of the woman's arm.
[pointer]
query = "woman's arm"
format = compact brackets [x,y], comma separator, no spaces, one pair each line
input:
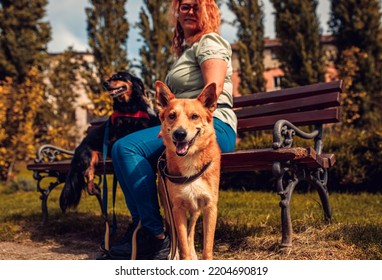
[214,70]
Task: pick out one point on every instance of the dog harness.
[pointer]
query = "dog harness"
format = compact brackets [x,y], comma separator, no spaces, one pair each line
[138,115]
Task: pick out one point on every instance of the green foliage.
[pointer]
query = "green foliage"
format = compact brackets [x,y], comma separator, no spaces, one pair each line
[254,140]
[107,29]
[358,165]
[356,23]
[248,224]
[22,103]
[249,16]
[23,43]
[356,26]
[353,97]
[264,139]
[156,33]
[358,159]
[297,27]
[20,184]
[23,37]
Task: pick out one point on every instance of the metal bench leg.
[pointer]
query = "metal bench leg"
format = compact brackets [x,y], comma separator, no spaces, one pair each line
[286,195]
[285,188]
[319,179]
[286,221]
[46,191]
[44,206]
[44,200]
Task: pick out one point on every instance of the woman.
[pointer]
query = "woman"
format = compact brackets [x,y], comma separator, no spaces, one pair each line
[202,56]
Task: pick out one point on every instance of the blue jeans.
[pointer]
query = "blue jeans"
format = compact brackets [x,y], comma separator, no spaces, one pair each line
[134,159]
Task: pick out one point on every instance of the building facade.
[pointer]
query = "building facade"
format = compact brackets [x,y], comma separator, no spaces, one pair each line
[273,74]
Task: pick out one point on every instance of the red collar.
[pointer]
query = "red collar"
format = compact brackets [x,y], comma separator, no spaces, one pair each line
[139,114]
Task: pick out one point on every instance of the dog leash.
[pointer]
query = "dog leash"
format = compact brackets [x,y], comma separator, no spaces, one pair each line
[103,202]
[168,208]
[105,192]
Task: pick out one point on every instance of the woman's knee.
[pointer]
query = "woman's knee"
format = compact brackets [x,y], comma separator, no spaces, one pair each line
[143,142]
[122,147]
[225,135]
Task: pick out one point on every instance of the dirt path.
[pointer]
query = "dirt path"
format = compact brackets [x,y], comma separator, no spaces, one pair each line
[28,250]
[306,247]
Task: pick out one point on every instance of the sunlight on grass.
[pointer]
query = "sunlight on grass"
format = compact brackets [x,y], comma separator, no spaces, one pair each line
[248,220]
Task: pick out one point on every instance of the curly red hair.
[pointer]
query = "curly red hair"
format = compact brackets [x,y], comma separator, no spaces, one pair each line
[209,21]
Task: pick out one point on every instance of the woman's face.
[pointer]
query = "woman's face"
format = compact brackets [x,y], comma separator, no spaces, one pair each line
[188,17]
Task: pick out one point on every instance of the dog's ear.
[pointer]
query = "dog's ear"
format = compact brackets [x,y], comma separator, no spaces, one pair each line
[163,95]
[208,97]
[138,86]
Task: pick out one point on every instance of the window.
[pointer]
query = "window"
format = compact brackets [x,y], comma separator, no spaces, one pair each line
[277,82]
[273,55]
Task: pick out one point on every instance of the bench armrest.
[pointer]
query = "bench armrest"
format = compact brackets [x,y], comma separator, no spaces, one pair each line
[50,153]
[284,131]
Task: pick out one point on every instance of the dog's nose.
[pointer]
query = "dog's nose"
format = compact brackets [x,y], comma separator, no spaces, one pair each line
[106,84]
[180,134]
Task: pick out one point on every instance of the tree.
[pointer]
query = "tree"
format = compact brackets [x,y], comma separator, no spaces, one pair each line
[23,37]
[297,27]
[107,29]
[22,103]
[356,26]
[156,33]
[250,44]
[5,92]
[23,43]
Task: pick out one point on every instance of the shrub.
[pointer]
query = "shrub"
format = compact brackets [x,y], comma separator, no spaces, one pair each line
[359,159]
[19,184]
[358,164]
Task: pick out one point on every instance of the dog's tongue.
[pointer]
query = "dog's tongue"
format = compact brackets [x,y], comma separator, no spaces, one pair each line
[181,148]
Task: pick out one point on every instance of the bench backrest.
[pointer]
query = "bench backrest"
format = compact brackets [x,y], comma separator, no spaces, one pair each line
[312,104]
[305,105]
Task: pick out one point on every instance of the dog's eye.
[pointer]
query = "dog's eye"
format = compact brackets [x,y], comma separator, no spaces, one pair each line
[194,117]
[172,116]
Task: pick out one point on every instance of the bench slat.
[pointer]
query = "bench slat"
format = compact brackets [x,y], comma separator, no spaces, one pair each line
[315,102]
[262,159]
[256,160]
[64,166]
[301,118]
[329,160]
[287,94]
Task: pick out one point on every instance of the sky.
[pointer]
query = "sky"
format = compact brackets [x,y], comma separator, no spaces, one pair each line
[68,21]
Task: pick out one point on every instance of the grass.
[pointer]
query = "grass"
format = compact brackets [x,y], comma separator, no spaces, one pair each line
[248,224]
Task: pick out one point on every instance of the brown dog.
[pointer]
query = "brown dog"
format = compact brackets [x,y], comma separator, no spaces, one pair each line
[192,170]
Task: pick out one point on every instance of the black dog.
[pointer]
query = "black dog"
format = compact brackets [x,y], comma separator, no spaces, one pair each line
[131,112]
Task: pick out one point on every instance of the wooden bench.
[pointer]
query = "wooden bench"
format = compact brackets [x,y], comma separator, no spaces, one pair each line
[283,111]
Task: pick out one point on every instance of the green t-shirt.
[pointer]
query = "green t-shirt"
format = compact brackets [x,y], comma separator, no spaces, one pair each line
[185,77]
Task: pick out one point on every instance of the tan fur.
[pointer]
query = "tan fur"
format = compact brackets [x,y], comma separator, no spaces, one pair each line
[200,196]
[90,174]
